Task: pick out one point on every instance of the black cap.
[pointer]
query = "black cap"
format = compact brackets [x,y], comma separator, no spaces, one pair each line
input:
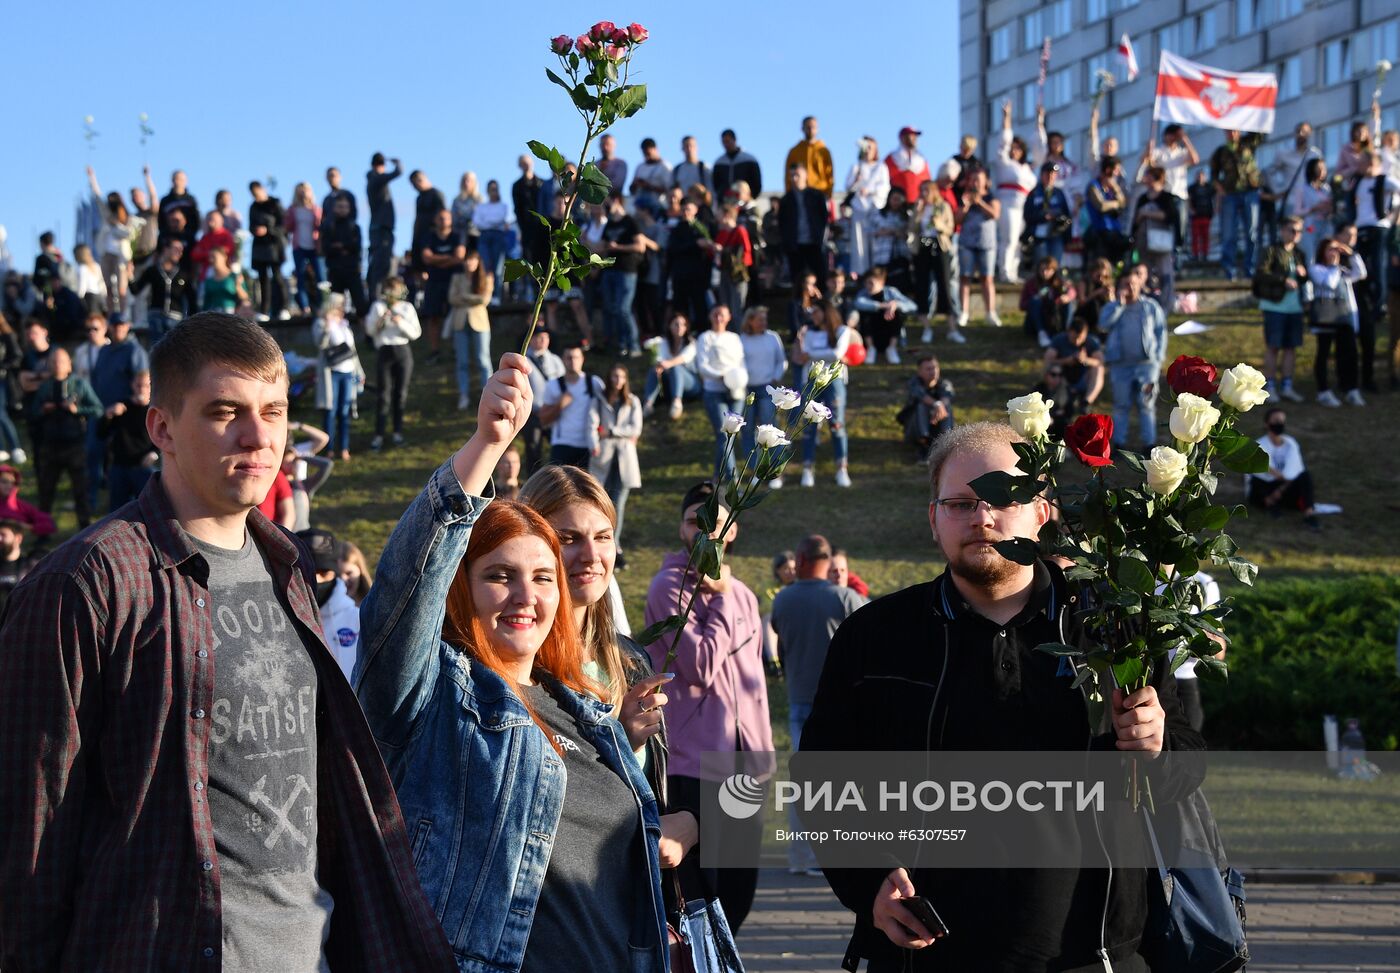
[697,494]
[325,549]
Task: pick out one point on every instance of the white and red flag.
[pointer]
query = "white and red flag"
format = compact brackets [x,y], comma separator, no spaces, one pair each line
[1195,94]
[1128,56]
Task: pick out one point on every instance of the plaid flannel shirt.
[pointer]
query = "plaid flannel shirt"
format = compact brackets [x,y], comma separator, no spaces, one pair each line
[107,856]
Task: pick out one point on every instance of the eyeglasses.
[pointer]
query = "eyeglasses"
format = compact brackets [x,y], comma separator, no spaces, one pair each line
[963,508]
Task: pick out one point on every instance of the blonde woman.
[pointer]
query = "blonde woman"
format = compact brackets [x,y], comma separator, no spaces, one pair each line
[303,221]
[868,184]
[583,517]
[464,204]
[469,295]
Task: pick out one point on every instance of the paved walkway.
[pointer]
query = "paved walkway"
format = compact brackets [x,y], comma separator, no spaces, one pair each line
[797,924]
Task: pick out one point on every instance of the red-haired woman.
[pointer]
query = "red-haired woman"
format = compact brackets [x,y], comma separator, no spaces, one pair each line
[534,830]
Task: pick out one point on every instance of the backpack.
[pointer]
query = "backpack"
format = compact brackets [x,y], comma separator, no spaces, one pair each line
[589,384]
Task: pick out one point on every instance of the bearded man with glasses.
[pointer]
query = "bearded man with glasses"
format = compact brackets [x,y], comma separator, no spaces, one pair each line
[951,664]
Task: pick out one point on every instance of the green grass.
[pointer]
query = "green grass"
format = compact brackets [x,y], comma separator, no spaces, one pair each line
[883,520]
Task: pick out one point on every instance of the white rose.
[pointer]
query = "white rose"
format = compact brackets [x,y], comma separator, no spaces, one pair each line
[784,398]
[1242,387]
[1193,417]
[1030,415]
[1166,468]
[770,437]
[733,422]
[816,412]
[1383,65]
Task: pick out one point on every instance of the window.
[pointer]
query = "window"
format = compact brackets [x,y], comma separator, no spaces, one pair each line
[1095,10]
[1336,62]
[1381,41]
[1059,88]
[1189,36]
[1247,18]
[1284,9]
[1290,80]
[999,44]
[1331,139]
[1052,20]
[1028,96]
[1129,133]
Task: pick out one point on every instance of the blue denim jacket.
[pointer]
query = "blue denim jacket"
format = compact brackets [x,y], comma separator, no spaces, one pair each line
[480,787]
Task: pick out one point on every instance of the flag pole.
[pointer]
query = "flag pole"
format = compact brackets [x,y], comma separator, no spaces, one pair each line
[1044,72]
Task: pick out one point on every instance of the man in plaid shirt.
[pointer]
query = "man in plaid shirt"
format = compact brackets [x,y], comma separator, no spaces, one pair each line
[186,779]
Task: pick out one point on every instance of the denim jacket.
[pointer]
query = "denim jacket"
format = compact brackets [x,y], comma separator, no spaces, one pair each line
[1145,345]
[480,787]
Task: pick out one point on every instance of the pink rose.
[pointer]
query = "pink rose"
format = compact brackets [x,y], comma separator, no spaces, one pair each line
[602,30]
[561,45]
[637,32]
[620,36]
[615,52]
[586,46]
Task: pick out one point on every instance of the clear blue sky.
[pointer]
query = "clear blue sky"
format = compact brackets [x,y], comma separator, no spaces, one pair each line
[244,91]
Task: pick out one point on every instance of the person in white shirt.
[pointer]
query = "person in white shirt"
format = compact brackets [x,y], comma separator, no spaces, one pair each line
[826,341]
[1050,147]
[570,408]
[1289,170]
[340,376]
[1012,179]
[392,324]
[1175,155]
[340,616]
[691,171]
[719,358]
[1311,202]
[85,355]
[1287,485]
[1334,275]
[547,367]
[1375,199]
[766,362]
[868,184]
[651,178]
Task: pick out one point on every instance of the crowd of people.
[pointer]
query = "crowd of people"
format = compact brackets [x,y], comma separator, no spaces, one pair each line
[498,584]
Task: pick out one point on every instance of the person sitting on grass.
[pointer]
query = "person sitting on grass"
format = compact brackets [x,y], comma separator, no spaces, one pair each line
[1287,484]
[928,406]
[1048,300]
[882,308]
[1079,355]
[1066,402]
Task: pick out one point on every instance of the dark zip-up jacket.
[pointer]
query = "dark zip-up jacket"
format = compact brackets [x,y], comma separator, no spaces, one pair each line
[920,670]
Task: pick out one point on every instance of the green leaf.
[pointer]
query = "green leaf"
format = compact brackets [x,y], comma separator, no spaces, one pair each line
[1081,572]
[1000,488]
[1212,668]
[1133,461]
[1131,674]
[610,71]
[1022,550]
[1059,648]
[573,61]
[1221,547]
[1244,571]
[1084,676]
[653,632]
[516,269]
[1207,518]
[560,82]
[1134,574]
[705,516]
[631,100]
[708,556]
[582,98]
[1248,457]
[1208,481]
[547,154]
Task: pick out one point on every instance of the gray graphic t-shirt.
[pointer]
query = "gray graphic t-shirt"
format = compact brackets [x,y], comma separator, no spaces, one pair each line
[262,772]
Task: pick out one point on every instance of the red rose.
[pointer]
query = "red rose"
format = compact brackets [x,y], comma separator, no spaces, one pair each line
[1090,438]
[602,30]
[620,36]
[1195,375]
[560,45]
[637,32]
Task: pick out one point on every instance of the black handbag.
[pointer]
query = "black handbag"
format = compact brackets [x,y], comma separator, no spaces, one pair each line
[1196,915]
[337,354]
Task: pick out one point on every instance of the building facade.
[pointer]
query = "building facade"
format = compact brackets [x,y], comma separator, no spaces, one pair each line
[1323,52]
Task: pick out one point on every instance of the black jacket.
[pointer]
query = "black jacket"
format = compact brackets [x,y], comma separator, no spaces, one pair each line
[271,248]
[729,169]
[894,676]
[815,204]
